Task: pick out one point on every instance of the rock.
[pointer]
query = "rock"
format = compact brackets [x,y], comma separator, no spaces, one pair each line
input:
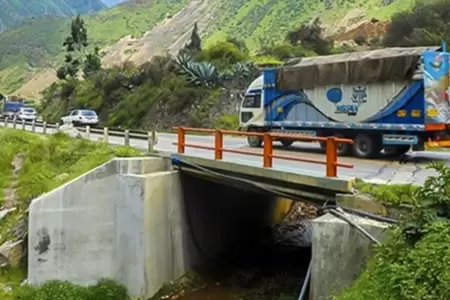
[13,252]
[62,176]
[295,233]
[70,131]
[5,212]
[20,230]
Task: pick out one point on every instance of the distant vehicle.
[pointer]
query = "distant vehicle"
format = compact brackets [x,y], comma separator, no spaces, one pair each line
[11,108]
[27,114]
[81,117]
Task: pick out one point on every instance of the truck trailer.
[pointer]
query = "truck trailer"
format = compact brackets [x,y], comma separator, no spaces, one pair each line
[389,100]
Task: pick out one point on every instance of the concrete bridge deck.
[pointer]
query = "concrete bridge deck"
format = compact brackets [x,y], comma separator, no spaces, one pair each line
[382,170]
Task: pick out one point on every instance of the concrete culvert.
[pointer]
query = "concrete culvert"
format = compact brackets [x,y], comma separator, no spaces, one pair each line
[250,245]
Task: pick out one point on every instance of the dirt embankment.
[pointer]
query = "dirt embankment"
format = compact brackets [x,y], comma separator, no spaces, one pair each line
[170,35]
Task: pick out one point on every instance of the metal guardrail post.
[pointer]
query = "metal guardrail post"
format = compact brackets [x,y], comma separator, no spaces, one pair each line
[88,131]
[151,141]
[23,124]
[33,125]
[268,150]
[6,122]
[127,137]
[218,144]
[181,134]
[57,126]
[331,152]
[44,127]
[14,123]
[105,135]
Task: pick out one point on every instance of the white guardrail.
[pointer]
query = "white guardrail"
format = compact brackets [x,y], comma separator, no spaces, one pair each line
[127,134]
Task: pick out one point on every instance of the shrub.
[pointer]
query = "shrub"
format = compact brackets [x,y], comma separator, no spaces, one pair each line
[413,264]
[105,289]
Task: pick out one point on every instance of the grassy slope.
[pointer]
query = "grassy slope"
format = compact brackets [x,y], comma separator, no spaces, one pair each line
[37,43]
[260,21]
[13,12]
[46,157]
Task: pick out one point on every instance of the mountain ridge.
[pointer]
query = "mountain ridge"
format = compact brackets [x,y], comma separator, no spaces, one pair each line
[137,30]
[14,12]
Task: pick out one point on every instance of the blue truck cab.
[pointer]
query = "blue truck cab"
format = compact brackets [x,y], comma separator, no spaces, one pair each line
[11,108]
[390,100]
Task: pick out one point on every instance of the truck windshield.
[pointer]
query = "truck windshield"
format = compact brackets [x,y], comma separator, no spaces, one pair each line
[252,101]
[28,110]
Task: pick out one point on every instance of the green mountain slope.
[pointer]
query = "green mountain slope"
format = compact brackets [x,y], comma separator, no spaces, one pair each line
[262,21]
[13,12]
[37,43]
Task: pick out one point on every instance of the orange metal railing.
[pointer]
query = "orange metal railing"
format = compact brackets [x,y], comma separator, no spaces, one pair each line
[330,145]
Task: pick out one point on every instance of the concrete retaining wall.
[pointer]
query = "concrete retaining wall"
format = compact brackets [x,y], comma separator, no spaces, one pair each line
[138,222]
[339,253]
[109,223]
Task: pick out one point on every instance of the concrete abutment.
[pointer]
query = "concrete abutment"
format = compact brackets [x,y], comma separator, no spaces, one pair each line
[139,222]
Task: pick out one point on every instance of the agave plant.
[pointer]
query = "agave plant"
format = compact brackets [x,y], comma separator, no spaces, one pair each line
[198,73]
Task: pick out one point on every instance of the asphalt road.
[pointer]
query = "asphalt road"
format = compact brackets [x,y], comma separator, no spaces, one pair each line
[383,170]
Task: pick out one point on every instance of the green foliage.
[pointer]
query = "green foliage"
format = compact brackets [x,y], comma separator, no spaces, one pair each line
[195,45]
[37,43]
[44,160]
[412,265]
[13,13]
[389,195]
[311,37]
[223,54]
[75,47]
[427,24]
[282,52]
[105,289]
[230,122]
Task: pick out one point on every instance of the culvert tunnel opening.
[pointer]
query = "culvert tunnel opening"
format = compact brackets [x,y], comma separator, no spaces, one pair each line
[247,244]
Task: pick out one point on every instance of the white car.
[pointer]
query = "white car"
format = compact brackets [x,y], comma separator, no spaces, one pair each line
[81,117]
[27,114]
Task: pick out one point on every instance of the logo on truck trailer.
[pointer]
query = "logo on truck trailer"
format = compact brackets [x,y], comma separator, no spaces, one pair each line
[358,97]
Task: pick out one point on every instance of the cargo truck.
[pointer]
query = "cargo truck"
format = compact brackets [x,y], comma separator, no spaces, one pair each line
[388,100]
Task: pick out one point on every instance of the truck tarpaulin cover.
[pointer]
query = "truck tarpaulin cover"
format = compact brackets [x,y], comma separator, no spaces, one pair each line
[390,64]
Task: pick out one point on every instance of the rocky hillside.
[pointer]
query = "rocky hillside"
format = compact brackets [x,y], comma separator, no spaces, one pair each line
[13,12]
[137,30]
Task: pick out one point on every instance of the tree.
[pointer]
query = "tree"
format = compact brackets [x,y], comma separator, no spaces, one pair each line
[92,63]
[310,36]
[195,44]
[76,45]
[427,24]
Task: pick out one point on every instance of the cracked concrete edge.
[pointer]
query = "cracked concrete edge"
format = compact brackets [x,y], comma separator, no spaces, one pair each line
[338,185]
[361,202]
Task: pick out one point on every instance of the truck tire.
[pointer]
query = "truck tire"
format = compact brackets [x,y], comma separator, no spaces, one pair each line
[254,141]
[342,149]
[366,146]
[287,143]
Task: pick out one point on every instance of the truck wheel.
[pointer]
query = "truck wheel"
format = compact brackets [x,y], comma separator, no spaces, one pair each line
[286,143]
[366,146]
[342,149]
[254,141]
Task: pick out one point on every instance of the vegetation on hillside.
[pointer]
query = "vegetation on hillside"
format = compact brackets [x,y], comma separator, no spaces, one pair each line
[13,12]
[31,165]
[35,45]
[412,264]
[200,86]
